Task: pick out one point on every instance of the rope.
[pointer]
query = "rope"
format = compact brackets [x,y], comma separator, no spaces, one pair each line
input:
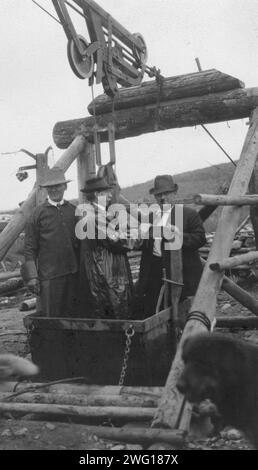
[201,317]
[159,82]
[205,128]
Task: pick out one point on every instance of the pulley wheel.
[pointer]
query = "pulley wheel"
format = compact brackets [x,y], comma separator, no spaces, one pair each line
[81,66]
[141,57]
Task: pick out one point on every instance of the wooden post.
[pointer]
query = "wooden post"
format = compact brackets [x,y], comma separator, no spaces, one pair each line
[86,168]
[41,167]
[176,269]
[18,221]
[253,188]
[172,411]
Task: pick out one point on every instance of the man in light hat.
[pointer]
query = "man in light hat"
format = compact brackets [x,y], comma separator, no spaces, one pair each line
[51,249]
[155,257]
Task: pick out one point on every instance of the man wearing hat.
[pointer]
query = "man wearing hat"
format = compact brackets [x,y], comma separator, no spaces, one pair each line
[155,257]
[51,247]
[105,276]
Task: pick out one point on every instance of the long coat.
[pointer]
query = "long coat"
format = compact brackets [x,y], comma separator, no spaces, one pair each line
[50,243]
[106,286]
[193,238]
[51,255]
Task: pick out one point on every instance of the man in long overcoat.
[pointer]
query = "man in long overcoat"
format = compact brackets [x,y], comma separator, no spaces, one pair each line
[51,258]
[155,257]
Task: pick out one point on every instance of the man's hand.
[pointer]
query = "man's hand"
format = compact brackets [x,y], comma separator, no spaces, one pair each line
[34,286]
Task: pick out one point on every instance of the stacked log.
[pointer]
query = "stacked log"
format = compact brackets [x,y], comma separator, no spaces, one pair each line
[186,100]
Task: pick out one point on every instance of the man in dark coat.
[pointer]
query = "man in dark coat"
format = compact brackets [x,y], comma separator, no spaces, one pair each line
[51,260]
[155,257]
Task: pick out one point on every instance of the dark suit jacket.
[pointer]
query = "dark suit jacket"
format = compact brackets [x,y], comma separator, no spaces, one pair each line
[193,238]
[50,243]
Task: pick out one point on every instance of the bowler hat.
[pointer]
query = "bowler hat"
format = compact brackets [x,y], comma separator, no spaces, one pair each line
[53,177]
[96,184]
[163,184]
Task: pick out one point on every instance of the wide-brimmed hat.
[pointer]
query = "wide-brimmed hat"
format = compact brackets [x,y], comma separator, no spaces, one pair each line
[53,177]
[96,184]
[163,184]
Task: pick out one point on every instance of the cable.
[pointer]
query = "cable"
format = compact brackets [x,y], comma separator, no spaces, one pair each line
[47,12]
[218,144]
[205,128]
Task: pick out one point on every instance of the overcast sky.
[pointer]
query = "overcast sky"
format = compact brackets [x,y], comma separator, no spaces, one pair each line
[38,88]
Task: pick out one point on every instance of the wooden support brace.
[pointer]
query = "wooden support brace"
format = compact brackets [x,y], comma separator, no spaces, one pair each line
[222,200]
[86,169]
[229,263]
[173,412]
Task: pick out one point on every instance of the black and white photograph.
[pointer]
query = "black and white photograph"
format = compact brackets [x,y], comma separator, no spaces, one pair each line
[129,230]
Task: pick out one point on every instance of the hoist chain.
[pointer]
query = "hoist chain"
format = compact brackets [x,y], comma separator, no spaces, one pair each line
[129,332]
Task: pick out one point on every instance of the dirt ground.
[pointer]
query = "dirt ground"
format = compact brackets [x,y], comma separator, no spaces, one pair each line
[30,434]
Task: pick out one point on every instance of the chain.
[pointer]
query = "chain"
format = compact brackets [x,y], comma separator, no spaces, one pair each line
[129,332]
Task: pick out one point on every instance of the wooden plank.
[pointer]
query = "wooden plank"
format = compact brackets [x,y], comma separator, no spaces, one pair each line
[172,88]
[92,324]
[231,262]
[172,409]
[216,107]
[222,200]
[18,221]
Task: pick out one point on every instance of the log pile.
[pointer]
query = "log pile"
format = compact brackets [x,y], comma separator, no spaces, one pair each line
[92,405]
[186,100]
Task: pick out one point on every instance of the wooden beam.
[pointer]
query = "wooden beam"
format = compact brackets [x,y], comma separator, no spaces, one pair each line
[41,168]
[116,412]
[18,221]
[82,400]
[10,274]
[231,262]
[86,169]
[184,112]
[226,321]
[253,188]
[83,389]
[239,294]
[173,410]
[223,200]
[171,88]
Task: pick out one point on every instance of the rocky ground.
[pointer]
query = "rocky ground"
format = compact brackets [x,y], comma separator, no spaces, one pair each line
[27,433]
